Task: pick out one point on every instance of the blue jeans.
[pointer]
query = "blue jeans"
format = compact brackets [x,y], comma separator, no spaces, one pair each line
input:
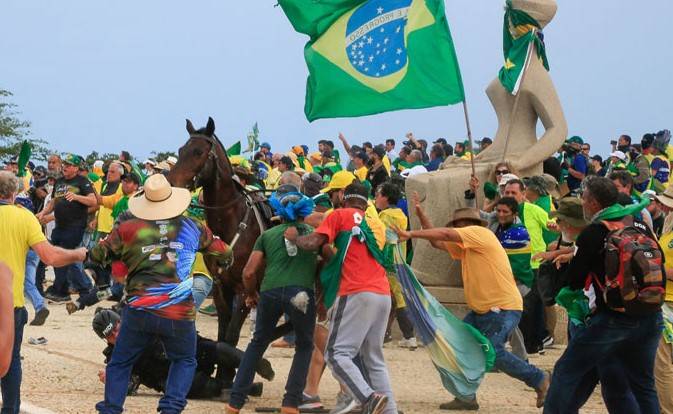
[29,288]
[138,330]
[201,289]
[271,307]
[73,275]
[11,382]
[496,326]
[611,345]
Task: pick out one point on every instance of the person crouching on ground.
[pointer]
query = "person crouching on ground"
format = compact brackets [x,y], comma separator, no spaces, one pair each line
[287,288]
[158,248]
[356,286]
[490,290]
[152,368]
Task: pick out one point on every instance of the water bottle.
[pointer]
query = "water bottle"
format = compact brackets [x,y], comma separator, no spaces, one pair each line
[291,248]
[104,294]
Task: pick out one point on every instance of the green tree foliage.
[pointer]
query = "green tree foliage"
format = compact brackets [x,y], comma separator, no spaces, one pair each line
[162,156]
[13,131]
[94,155]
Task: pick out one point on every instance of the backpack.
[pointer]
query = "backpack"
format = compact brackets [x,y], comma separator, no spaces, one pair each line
[635,278]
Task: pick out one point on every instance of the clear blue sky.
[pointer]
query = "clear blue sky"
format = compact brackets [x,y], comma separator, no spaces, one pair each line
[125,74]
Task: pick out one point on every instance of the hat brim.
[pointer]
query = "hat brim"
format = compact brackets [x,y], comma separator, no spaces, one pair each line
[665,200]
[573,221]
[173,206]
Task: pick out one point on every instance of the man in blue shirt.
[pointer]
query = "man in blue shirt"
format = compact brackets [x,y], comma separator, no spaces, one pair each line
[576,163]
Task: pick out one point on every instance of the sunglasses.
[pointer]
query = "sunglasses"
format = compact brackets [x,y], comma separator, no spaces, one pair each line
[501,172]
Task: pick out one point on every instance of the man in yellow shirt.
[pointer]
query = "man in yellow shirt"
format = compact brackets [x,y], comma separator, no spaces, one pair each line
[490,290]
[663,369]
[20,231]
[112,187]
[360,160]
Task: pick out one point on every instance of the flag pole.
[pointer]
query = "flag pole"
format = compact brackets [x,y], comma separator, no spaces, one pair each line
[515,108]
[469,139]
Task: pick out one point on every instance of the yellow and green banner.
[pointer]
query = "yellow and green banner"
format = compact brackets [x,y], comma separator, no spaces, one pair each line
[371,56]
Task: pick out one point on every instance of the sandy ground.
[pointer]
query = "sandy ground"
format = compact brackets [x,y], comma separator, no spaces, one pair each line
[62,375]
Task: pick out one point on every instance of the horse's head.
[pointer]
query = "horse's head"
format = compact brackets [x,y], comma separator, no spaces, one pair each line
[197,160]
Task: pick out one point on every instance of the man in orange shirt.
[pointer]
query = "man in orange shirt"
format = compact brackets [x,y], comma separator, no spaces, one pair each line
[490,290]
[363,296]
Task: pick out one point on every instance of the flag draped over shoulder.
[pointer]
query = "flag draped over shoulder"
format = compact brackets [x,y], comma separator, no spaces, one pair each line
[460,353]
[371,56]
[520,33]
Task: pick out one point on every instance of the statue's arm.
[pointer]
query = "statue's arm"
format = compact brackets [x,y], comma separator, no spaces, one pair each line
[547,105]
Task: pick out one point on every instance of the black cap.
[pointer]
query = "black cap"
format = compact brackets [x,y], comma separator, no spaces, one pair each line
[362,155]
[440,141]
[597,158]
[486,140]
[379,150]
[104,322]
[132,177]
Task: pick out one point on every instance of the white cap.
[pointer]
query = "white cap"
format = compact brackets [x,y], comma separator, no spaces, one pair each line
[98,164]
[507,178]
[619,155]
[150,161]
[410,172]
[172,160]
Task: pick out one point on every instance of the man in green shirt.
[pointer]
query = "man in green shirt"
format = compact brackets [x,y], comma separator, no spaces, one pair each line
[287,288]
[536,221]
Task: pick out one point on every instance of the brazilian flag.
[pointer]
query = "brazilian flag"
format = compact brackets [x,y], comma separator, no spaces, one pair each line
[371,56]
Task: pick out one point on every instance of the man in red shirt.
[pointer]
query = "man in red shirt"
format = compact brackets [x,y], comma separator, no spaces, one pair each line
[359,315]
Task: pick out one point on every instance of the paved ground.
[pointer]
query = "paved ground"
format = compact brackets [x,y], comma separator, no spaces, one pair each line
[62,375]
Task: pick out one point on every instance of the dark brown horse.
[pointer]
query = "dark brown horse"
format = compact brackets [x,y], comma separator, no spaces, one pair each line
[203,162]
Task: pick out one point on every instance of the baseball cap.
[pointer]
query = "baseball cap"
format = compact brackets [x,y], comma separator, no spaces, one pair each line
[132,177]
[618,154]
[507,178]
[339,181]
[73,159]
[575,140]
[266,145]
[441,141]
[485,140]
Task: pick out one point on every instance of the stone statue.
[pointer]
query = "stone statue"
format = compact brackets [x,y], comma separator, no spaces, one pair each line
[535,99]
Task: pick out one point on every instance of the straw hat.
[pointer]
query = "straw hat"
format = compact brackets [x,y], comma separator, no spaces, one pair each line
[471,214]
[666,198]
[159,201]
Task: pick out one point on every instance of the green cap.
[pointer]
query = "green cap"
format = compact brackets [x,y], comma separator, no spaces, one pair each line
[73,159]
[570,210]
[575,140]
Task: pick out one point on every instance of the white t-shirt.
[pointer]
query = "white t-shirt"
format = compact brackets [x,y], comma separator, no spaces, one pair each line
[392,154]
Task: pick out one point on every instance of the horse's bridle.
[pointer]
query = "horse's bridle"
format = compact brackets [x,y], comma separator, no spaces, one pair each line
[212,156]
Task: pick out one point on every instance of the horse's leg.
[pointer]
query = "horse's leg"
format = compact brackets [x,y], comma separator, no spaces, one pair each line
[223,299]
[238,315]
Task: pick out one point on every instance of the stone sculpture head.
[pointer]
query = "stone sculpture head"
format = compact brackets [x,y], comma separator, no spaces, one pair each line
[541,10]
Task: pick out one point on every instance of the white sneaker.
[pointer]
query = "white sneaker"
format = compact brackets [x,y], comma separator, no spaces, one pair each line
[408,343]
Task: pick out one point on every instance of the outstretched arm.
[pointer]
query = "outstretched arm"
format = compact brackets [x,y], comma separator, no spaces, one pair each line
[347,146]
[436,236]
[310,242]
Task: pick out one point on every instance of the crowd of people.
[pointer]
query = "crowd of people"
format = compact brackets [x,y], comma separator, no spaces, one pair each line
[591,235]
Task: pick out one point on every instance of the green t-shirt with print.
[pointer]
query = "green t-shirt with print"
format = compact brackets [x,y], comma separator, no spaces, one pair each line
[281,269]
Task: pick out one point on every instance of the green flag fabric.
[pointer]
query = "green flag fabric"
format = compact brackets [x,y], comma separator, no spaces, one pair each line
[234,149]
[520,33]
[371,56]
[24,157]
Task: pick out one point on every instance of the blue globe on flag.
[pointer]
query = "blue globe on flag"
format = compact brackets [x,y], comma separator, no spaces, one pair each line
[375,37]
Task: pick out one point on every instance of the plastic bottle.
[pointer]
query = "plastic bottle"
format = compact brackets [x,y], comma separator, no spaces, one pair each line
[291,248]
